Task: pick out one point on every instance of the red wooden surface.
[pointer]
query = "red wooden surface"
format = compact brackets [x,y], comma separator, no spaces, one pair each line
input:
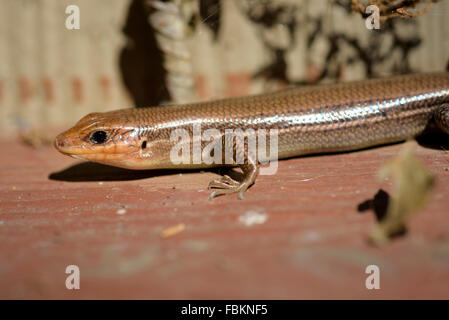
[312,245]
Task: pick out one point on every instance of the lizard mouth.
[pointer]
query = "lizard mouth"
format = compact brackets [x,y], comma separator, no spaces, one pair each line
[63,144]
[115,156]
[66,149]
[77,157]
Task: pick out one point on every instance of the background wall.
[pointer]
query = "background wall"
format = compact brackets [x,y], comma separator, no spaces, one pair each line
[51,76]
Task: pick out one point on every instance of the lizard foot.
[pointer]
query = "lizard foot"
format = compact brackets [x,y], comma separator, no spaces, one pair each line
[227,185]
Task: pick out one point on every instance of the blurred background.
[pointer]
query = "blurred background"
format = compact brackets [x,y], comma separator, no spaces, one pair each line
[142,53]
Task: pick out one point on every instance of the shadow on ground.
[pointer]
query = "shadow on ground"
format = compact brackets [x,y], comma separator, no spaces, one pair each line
[90,171]
[434,139]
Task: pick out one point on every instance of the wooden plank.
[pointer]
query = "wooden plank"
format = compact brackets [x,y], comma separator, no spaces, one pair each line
[311,243]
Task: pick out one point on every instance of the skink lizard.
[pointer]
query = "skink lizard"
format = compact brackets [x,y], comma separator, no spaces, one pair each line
[308,120]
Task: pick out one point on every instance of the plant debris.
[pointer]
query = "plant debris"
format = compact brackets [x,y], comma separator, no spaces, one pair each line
[121,211]
[171,231]
[413,184]
[250,218]
[389,9]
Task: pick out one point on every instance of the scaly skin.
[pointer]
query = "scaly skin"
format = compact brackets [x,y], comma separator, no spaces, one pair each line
[318,119]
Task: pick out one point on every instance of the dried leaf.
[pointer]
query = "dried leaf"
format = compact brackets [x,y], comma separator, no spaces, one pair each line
[413,184]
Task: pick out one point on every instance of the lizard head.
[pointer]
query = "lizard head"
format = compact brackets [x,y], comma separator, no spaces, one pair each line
[105,138]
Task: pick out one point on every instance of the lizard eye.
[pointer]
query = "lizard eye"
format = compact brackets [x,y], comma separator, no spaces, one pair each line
[98,137]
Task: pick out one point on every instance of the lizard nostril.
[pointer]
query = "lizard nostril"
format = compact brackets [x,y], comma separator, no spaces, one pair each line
[59,142]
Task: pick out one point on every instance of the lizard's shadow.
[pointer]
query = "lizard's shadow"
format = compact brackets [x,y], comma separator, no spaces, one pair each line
[90,171]
[434,139]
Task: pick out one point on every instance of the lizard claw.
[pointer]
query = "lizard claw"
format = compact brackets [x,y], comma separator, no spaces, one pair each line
[223,188]
[227,185]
